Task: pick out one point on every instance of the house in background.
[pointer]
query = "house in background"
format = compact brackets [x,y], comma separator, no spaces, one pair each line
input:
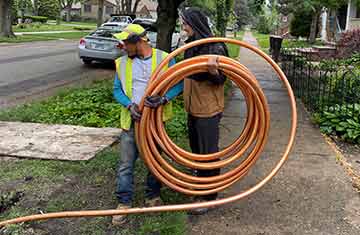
[353,16]
[75,12]
[333,23]
[147,9]
[89,9]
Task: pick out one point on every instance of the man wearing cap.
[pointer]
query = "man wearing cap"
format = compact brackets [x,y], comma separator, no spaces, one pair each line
[133,73]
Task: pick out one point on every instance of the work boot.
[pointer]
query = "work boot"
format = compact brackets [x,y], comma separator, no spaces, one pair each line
[204,210]
[120,219]
[199,211]
[156,201]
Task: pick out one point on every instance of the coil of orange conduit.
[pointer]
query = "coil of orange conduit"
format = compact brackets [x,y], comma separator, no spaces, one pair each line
[150,133]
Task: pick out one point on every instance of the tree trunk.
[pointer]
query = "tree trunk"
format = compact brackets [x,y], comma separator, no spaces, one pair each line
[6,19]
[117,6]
[68,13]
[100,12]
[58,18]
[221,18]
[123,6]
[128,6]
[36,7]
[166,22]
[314,26]
[135,6]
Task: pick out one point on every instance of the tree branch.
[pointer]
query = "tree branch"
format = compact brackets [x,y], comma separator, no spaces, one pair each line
[135,6]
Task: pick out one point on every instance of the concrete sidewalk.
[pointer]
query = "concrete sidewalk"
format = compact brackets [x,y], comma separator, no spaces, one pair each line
[310,195]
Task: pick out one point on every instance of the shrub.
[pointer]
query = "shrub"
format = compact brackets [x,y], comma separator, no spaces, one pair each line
[82,28]
[349,43]
[41,19]
[48,8]
[263,25]
[342,120]
[22,26]
[301,23]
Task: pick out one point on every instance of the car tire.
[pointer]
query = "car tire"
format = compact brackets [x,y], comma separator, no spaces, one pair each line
[86,61]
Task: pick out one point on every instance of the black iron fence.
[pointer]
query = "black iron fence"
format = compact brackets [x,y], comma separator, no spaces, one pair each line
[322,86]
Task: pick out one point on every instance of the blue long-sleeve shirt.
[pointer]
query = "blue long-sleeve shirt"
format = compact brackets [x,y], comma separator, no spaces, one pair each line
[124,100]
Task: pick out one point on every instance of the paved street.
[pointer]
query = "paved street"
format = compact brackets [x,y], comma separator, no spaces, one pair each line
[31,70]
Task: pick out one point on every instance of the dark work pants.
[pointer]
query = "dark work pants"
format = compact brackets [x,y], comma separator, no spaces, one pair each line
[204,139]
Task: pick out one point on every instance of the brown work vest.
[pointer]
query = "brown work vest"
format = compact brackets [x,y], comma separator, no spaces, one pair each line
[203,98]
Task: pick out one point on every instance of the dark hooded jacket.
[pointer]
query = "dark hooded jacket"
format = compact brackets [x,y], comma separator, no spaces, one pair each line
[203,92]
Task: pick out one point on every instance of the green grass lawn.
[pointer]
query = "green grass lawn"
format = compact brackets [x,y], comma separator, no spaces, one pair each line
[234,49]
[35,27]
[43,37]
[51,186]
[264,42]
[93,24]
[293,43]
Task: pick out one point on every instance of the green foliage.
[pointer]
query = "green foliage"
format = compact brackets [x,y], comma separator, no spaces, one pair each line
[242,12]
[263,40]
[338,64]
[43,37]
[263,25]
[209,6]
[335,95]
[342,120]
[41,19]
[268,20]
[301,23]
[295,43]
[93,106]
[256,6]
[40,27]
[349,43]
[223,11]
[177,126]
[48,8]
[169,223]
[22,5]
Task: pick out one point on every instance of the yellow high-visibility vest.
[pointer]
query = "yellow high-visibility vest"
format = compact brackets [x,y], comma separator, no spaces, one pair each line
[124,70]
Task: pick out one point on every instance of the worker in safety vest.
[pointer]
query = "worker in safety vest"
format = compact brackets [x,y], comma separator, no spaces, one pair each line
[133,73]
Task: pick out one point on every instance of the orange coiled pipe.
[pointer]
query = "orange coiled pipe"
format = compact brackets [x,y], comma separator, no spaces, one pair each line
[244,152]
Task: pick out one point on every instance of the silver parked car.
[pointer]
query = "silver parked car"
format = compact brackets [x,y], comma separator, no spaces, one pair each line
[101,45]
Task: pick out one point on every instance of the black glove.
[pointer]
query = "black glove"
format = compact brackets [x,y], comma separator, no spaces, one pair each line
[155,101]
[135,112]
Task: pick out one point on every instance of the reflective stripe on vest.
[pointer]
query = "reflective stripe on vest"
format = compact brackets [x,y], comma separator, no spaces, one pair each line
[124,70]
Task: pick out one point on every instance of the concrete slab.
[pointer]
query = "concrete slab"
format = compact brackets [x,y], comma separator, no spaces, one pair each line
[61,142]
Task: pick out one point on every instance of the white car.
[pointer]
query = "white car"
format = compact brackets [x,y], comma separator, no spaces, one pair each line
[121,21]
[150,26]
